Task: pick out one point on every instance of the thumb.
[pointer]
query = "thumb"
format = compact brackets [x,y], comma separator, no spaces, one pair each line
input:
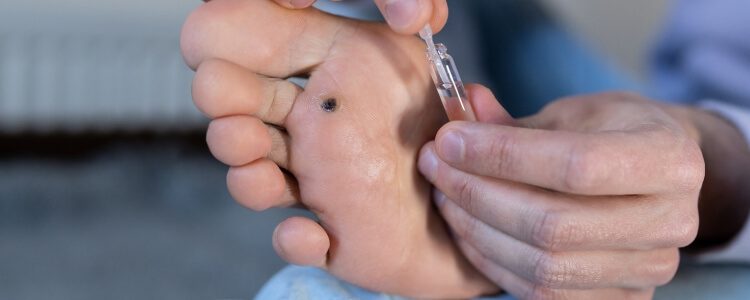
[410,16]
[486,107]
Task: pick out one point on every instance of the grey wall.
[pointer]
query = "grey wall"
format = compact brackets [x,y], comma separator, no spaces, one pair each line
[621,29]
[85,64]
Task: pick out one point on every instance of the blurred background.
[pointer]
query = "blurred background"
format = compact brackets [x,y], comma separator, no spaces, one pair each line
[107,190]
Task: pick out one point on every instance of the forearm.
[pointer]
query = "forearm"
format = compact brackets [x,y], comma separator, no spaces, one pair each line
[725,197]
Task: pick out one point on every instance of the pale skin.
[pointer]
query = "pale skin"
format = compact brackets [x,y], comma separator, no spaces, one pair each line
[592,197]
[354,166]
[589,199]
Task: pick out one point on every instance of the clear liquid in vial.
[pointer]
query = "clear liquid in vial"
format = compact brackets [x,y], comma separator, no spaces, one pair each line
[456,105]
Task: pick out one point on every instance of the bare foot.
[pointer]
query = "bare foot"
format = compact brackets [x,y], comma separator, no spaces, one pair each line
[347,143]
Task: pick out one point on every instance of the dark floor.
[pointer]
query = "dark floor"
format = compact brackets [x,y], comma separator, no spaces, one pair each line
[130,218]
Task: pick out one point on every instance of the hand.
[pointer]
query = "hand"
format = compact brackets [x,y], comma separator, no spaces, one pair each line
[403,16]
[589,199]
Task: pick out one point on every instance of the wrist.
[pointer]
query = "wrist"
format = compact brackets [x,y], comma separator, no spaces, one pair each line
[724,203]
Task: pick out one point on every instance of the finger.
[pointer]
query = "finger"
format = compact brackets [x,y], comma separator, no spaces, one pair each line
[261,185]
[486,105]
[562,270]
[301,241]
[559,222]
[609,163]
[235,30]
[410,16]
[238,140]
[524,289]
[295,3]
[439,15]
[221,89]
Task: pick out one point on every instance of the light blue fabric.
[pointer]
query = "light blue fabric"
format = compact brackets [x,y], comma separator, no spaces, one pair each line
[704,52]
[314,284]
[693,282]
[301,283]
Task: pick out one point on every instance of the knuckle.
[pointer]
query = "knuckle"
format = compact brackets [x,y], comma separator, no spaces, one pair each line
[460,223]
[584,169]
[565,103]
[664,270]
[467,229]
[624,96]
[683,229]
[502,148]
[550,232]
[468,190]
[551,271]
[691,168]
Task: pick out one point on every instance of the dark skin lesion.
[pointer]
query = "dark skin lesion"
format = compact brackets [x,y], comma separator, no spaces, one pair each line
[329,105]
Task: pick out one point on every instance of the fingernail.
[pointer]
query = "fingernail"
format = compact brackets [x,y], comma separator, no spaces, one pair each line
[438,197]
[452,147]
[428,164]
[401,13]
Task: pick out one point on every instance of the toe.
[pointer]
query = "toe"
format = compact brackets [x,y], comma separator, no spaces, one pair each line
[301,241]
[260,35]
[221,89]
[280,142]
[262,185]
[238,140]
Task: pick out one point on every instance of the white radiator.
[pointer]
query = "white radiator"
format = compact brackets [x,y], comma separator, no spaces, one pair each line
[87,65]
[101,65]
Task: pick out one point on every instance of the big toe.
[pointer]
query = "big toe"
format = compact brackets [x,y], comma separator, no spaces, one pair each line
[230,29]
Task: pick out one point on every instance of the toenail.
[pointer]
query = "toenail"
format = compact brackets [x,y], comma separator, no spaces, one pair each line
[452,147]
[329,105]
[401,13]
[428,164]
[299,3]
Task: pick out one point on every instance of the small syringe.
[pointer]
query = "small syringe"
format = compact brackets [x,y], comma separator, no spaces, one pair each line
[447,81]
